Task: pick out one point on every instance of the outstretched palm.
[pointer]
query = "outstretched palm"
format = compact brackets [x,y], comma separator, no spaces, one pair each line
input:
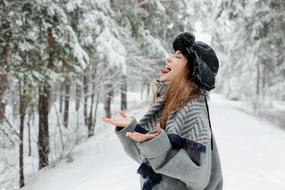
[125,121]
[145,137]
[122,122]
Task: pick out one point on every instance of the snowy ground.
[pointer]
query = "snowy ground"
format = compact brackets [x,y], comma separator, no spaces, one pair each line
[250,150]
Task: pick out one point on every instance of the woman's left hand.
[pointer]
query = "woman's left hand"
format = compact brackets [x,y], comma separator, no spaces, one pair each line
[139,137]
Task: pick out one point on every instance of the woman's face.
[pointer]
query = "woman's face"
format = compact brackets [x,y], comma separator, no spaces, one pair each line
[174,65]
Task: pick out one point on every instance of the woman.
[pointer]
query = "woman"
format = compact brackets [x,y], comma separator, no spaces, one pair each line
[173,141]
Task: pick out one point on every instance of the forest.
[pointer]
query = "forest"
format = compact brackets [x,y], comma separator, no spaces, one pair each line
[63,63]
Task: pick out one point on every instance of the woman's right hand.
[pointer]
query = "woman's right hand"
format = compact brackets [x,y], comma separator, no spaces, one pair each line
[122,122]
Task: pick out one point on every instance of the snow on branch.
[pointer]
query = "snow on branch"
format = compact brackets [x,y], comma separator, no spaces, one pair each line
[109,48]
[79,53]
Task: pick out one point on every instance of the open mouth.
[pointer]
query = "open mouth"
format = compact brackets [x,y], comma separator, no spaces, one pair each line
[165,69]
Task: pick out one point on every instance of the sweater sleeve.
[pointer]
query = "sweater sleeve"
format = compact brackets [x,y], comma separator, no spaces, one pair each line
[145,124]
[129,145]
[178,163]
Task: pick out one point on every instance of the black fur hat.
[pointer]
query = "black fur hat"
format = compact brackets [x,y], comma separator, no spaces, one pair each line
[202,59]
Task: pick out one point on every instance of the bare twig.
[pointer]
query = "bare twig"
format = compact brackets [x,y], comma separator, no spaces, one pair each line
[13,130]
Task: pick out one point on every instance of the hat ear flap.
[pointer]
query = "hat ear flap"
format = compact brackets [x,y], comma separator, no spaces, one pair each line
[208,65]
[192,61]
[203,75]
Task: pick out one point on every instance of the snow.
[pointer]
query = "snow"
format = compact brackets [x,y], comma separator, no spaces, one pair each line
[159,6]
[154,45]
[279,105]
[53,9]
[78,51]
[25,46]
[73,4]
[170,26]
[247,147]
[250,153]
[111,48]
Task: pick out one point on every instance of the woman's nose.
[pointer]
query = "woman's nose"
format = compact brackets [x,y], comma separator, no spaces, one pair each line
[168,59]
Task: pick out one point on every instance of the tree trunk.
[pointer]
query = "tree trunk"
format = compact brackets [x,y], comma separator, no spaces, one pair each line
[95,112]
[44,94]
[77,97]
[3,86]
[4,65]
[108,100]
[92,127]
[66,104]
[74,24]
[90,118]
[22,109]
[61,98]
[258,79]
[43,136]
[85,91]
[124,93]
[31,116]
[21,152]
[67,91]
[263,78]
[29,135]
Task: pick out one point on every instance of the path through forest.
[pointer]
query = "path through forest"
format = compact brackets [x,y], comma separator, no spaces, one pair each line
[251,153]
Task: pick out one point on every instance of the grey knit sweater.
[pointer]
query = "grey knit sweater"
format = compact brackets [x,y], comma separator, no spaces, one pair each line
[183,168]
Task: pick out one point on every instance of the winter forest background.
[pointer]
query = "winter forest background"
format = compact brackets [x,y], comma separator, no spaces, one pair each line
[64,63]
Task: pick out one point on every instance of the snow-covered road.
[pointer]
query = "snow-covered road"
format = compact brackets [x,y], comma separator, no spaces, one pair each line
[251,153]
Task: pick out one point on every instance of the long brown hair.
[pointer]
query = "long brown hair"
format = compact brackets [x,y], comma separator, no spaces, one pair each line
[177,94]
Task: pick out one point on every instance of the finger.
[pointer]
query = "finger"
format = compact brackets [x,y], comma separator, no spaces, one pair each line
[158,128]
[110,121]
[136,136]
[123,114]
[140,137]
[106,120]
[150,136]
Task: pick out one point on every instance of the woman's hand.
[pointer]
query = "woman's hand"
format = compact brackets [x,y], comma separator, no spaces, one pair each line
[139,137]
[123,122]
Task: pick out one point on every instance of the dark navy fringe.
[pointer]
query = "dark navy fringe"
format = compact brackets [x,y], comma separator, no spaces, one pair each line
[177,142]
[139,129]
[153,178]
[193,145]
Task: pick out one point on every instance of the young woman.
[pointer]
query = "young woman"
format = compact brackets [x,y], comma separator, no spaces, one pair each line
[173,141]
